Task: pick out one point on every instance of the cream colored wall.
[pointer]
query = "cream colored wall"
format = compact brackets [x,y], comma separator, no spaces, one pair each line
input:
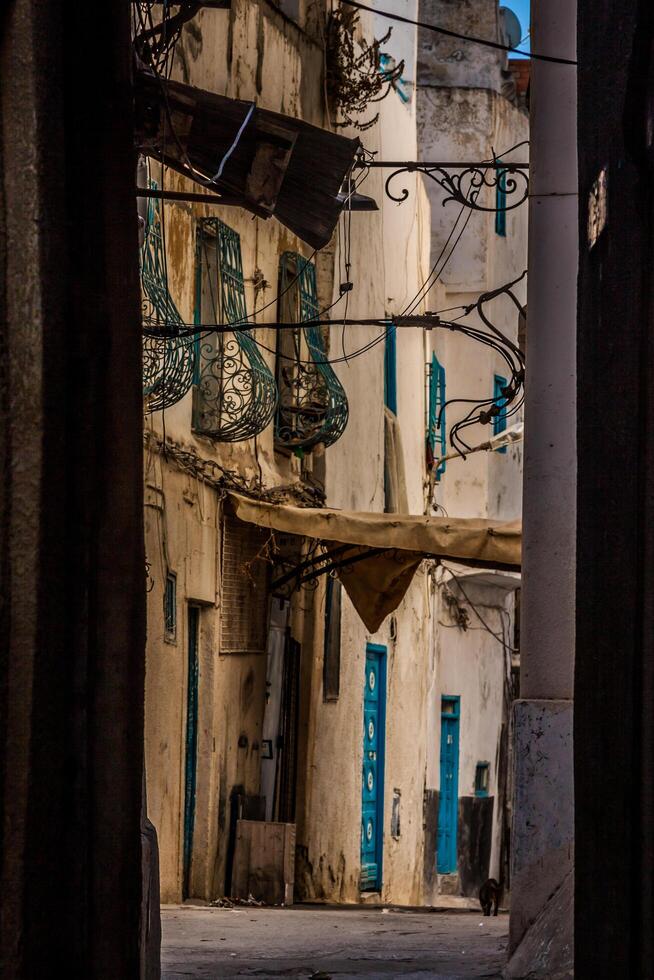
[457,124]
[182,517]
[389,260]
[390,251]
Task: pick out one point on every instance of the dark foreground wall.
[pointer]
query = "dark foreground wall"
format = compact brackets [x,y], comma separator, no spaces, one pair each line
[72,620]
[614,678]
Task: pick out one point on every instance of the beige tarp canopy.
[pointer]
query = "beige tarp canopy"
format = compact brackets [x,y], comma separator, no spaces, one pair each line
[376,585]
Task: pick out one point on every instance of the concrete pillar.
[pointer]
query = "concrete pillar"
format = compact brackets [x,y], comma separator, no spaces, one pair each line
[542,843]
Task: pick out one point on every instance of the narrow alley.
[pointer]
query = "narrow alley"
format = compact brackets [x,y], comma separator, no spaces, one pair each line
[342,943]
[327,496]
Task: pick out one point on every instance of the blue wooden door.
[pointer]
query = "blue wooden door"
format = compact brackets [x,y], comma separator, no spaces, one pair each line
[191,745]
[449,791]
[372,805]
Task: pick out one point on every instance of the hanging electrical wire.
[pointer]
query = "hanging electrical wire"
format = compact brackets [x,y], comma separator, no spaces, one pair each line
[434,28]
[485,411]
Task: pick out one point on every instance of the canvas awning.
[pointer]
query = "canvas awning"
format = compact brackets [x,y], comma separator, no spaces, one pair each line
[376,555]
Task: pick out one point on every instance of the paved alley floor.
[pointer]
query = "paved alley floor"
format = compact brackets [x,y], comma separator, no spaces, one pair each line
[326,942]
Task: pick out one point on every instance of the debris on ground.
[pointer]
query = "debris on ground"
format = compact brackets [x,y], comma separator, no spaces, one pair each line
[232,903]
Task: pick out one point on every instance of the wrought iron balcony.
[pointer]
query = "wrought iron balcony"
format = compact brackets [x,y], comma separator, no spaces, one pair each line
[168,362]
[313,406]
[235,395]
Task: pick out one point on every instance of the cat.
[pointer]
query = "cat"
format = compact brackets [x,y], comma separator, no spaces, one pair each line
[489,894]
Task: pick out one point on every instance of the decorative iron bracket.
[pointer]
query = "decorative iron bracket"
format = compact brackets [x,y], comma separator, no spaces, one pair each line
[462,182]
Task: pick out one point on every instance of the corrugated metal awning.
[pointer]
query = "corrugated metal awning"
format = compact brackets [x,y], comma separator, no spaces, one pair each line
[266,162]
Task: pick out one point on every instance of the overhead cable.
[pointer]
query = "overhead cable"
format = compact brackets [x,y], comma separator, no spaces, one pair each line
[461,37]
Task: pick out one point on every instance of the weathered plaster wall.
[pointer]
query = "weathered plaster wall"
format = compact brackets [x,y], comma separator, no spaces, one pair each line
[462,115]
[389,263]
[485,484]
[249,52]
[279,65]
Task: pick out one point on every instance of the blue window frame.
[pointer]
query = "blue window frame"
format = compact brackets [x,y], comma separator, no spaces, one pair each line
[482,779]
[500,203]
[390,370]
[436,430]
[499,421]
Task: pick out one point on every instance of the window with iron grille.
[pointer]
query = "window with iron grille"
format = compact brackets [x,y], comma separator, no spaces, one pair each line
[235,393]
[170,608]
[244,588]
[499,421]
[436,431]
[482,778]
[331,668]
[312,406]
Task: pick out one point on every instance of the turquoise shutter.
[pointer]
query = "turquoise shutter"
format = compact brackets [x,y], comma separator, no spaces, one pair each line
[436,433]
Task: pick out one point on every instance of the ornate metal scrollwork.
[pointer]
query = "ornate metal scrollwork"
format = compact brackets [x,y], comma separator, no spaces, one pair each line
[168,362]
[313,406]
[464,185]
[235,395]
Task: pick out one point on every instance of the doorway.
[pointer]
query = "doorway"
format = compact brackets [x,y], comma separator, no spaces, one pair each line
[374,736]
[446,850]
[190,767]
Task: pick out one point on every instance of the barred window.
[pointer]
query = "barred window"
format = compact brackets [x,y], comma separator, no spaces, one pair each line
[245,577]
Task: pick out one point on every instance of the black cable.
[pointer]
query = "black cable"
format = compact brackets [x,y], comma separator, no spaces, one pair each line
[461,37]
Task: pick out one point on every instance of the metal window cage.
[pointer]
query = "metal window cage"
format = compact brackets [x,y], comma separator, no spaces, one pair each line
[313,407]
[235,395]
[168,362]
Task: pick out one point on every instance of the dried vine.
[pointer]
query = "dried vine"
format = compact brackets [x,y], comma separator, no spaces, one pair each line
[354,74]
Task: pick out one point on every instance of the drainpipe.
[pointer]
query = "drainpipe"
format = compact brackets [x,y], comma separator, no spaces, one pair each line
[543,827]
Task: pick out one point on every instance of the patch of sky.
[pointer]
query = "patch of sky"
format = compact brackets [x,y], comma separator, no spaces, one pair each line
[521,9]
